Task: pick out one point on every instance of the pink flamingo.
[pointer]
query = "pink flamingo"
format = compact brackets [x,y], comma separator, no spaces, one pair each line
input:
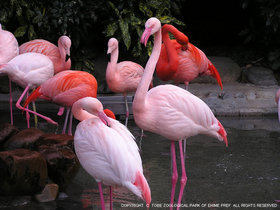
[122,77]
[64,89]
[181,61]
[170,111]
[277,99]
[107,150]
[29,70]
[58,55]
[8,50]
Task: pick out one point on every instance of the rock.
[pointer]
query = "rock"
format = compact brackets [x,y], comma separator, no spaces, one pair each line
[6,131]
[227,68]
[23,172]
[49,193]
[24,139]
[61,159]
[260,76]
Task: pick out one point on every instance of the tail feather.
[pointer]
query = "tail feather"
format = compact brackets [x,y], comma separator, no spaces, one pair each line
[215,74]
[223,133]
[33,96]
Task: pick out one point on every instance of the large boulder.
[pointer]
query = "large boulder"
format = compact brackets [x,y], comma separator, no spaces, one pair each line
[6,131]
[24,139]
[22,172]
[260,76]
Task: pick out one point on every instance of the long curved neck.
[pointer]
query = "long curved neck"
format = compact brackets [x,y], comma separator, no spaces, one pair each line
[142,89]
[61,51]
[79,113]
[114,56]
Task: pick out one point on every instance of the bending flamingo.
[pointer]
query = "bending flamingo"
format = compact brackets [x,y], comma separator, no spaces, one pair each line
[170,111]
[29,70]
[8,50]
[107,150]
[122,77]
[64,89]
[181,61]
[277,99]
[58,55]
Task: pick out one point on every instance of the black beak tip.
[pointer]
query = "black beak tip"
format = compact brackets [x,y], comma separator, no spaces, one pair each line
[67,58]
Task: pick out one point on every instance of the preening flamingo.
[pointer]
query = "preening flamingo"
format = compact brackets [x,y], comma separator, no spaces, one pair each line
[277,99]
[64,89]
[58,55]
[8,50]
[181,61]
[170,111]
[107,150]
[122,77]
[29,70]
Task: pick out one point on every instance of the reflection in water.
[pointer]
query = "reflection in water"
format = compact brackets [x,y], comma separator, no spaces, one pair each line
[247,172]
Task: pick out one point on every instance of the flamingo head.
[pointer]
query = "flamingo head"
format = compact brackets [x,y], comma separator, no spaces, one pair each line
[65,43]
[112,45]
[152,25]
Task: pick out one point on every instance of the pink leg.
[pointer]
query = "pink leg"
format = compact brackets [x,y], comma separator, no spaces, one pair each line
[65,121]
[60,111]
[70,124]
[27,114]
[27,110]
[101,196]
[11,102]
[174,173]
[184,177]
[111,198]
[126,108]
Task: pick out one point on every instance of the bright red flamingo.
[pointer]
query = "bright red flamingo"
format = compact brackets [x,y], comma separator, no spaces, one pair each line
[122,77]
[29,70]
[181,61]
[64,89]
[170,111]
[107,150]
[277,99]
[8,50]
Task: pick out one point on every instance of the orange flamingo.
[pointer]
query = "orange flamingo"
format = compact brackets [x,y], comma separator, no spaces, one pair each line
[58,55]
[64,89]
[181,61]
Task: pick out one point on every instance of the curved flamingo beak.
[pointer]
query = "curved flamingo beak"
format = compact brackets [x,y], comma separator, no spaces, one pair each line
[67,55]
[103,117]
[145,36]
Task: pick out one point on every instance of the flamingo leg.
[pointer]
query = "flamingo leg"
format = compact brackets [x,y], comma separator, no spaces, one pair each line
[184,176]
[141,137]
[111,198]
[27,113]
[185,146]
[35,116]
[11,102]
[101,196]
[70,124]
[174,173]
[65,121]
[27,110]
[126,108]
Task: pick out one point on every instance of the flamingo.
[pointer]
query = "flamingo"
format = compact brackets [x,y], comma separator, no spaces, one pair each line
[181,61]
[107,150]
[58,55]
[29,70]
[64,89]
[122,77]
[170,111]
[277,99]
[8,50]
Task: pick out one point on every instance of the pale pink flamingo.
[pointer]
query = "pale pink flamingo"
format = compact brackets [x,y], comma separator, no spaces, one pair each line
[8,50]
[64,89]
[107,150]
[58,55]
[122,77]
[170,111]
[277,99]
[29,70]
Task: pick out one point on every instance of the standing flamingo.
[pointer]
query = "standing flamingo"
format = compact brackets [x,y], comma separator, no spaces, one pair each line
[64,89]
[29,70]
[122,77]
[277,99]
[8,50]
[107,150]
[58,55]
[170,111]
[181,61]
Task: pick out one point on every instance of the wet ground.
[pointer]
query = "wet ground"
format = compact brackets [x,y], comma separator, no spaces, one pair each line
[246,175]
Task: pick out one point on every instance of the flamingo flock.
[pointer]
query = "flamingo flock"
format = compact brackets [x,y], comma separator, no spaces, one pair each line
[106,148]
